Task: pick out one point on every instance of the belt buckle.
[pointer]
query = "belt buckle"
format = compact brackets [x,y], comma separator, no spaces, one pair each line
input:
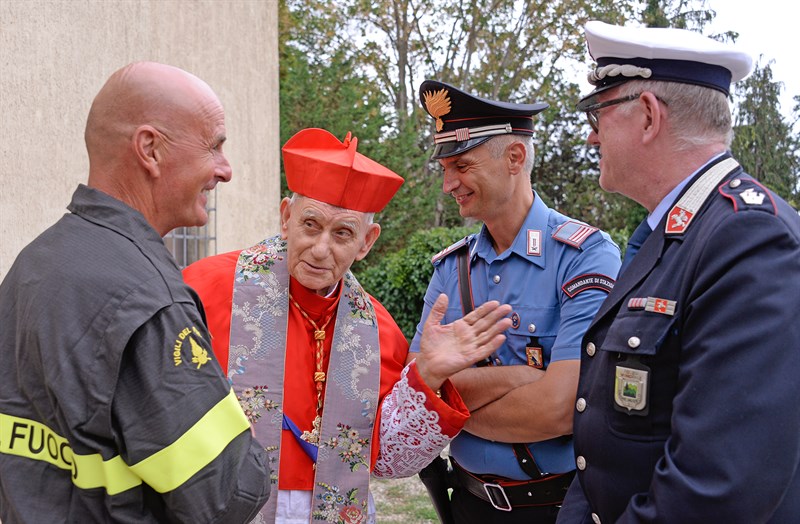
[499,488]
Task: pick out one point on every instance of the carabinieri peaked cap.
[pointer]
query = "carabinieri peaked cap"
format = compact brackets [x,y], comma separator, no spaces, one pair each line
[321,167]
[626,53]
[464,121]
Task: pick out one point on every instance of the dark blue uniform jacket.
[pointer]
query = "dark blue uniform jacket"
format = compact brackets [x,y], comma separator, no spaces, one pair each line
[717,438]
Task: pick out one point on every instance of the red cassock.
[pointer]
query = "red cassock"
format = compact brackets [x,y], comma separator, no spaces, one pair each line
[213,277]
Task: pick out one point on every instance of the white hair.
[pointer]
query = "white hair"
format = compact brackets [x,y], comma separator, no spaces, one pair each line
[698,115]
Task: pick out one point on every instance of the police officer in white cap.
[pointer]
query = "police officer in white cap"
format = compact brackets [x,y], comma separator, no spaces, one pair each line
[687,407]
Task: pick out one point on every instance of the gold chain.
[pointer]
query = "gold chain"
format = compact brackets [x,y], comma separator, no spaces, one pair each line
[319,374]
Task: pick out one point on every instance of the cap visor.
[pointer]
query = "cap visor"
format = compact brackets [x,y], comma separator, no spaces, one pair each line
[456,148]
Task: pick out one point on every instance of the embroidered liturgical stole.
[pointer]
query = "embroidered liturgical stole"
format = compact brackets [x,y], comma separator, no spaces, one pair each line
[259,320]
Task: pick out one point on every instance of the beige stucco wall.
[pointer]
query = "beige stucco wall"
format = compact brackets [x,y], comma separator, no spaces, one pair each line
[56,54]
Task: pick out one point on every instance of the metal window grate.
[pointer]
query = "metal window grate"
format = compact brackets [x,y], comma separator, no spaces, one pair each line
[190,244]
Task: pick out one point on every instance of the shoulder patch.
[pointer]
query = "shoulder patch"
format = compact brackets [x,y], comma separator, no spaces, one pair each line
[446,251]
[581,283]
[746,192]
[574,233]
[199,353]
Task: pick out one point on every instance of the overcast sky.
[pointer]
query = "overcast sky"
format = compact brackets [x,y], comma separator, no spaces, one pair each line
[767,28]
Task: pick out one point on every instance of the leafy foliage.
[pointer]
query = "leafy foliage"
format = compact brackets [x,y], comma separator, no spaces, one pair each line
[399,279]
[763,142]
[355,65]
[370,56]
[322,83]
[683,14]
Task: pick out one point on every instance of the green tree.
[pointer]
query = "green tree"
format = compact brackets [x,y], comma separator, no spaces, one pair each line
[683,14]
[322,82]
[764,143]
[503,49]
[355,65]
[399,279]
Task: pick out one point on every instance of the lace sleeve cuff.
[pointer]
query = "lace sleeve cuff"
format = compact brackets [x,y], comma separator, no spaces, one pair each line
[449,406]
[416,424]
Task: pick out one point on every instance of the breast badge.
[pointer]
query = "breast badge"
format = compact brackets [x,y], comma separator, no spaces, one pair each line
[535,353]
[630,388]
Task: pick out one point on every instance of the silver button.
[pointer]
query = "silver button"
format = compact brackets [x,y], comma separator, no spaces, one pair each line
[496,279]
[736,183]
[634,342]
[596,518]
[580,462]
[531,328]
[590,349]
[580,405]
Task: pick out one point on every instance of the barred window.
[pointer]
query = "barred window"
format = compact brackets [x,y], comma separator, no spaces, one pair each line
[190,244]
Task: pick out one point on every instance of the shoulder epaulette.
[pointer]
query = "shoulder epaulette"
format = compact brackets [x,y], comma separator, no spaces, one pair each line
[573,232]
[450,249]
[748,193]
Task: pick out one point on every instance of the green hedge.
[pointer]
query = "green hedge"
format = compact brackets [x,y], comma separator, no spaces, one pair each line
[399,280]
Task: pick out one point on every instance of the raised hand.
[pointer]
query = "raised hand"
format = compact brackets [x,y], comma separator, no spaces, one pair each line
[446,349]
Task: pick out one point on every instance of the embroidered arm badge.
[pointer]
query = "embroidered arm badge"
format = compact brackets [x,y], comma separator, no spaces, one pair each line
[589,281]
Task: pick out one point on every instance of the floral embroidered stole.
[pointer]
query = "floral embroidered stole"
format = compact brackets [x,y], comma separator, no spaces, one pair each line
[259,320]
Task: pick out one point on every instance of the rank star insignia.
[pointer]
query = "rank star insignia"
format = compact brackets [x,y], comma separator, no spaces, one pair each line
[752,197]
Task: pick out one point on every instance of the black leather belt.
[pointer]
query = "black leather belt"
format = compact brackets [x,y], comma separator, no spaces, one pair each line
[508,494]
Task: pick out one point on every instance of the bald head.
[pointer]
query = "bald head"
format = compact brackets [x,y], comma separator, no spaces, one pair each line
[142,93]
[154,137]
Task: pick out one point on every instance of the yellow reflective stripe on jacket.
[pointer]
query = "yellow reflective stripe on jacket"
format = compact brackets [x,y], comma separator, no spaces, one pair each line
[164,470]
[30,439]
[94,472]
[195,449]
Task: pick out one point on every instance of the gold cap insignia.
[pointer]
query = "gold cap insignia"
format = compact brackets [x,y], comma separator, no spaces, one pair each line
[438,104]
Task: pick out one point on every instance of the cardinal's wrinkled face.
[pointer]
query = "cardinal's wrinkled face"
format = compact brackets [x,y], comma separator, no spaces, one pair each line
[324,240]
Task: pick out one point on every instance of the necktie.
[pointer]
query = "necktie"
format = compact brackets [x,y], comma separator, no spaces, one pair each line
[638,237]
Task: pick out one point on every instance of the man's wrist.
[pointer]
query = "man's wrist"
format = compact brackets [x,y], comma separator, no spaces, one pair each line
[433,382]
